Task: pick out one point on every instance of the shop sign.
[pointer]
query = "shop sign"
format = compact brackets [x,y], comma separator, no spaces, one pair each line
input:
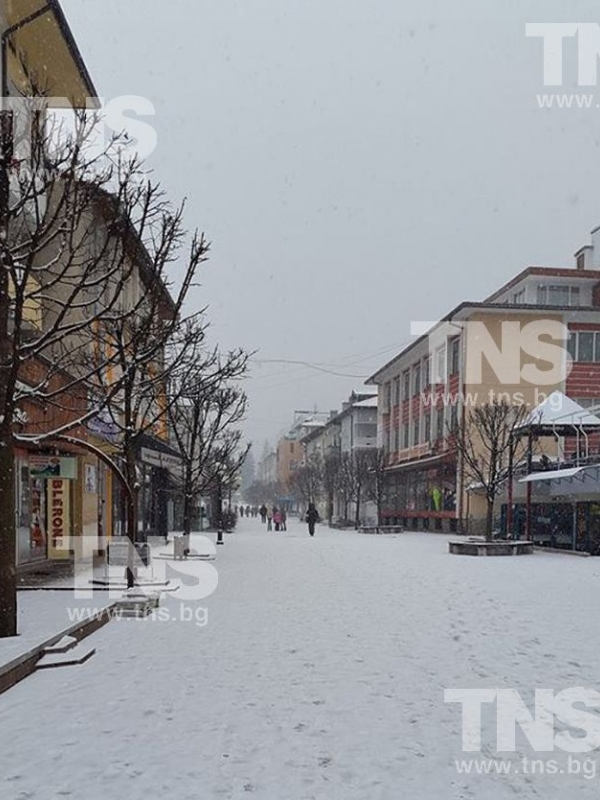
[157,459]
[46,467]
[59,518]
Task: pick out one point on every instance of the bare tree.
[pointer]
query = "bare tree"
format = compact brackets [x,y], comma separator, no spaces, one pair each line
[330,478]
[307,480]
[376,477]
[204,422]
[346,483]
[486,444]
[78,226]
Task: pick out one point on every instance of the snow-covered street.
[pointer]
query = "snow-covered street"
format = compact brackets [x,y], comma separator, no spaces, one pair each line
[316,670]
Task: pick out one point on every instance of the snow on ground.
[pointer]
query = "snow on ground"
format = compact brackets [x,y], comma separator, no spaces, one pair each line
[319,674]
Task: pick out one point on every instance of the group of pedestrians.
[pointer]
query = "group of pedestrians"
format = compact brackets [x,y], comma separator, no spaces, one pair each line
[277,517]
[273,517]
[248,511]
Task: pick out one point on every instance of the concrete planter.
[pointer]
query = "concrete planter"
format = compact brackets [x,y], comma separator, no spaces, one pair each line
[478,547]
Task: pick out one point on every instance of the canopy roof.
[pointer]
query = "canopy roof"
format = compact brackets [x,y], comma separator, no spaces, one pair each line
[42,54]
[559,415]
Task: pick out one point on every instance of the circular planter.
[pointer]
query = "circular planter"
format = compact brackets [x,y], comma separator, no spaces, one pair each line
[477,547]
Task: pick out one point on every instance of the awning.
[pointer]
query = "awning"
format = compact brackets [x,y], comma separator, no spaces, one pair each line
[551,475]
[418,463]
[41,50]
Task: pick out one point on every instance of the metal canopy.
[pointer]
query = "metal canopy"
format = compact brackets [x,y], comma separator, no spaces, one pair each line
[559,415]
[552,475]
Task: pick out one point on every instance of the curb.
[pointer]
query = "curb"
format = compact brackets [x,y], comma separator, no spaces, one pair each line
[579,553]
[20,667]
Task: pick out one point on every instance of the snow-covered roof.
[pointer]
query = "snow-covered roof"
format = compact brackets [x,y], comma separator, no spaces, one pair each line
[560,411]
[370,402]
[313,423]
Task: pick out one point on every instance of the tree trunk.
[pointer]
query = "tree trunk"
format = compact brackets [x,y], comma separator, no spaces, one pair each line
[132,515]
[489,520]
[8,538]
[357,514]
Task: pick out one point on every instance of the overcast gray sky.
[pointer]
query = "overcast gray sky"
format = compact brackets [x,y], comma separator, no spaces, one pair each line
[356,165]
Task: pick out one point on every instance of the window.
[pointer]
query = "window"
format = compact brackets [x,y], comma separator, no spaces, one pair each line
[454,418]
[580,261]
[416,379]
[405,435]
[584,346]
[589,402]
[560,295]
[519,297]
[416,431]
[397,440]
[406,385]
[440,365]
[454,356]
[397,391]
[439,423]
[366,430]
[426,370]
[427,433]
[388,396]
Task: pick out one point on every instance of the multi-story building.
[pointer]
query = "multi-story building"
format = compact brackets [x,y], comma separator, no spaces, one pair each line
[349,432]
[537,333]
[290,451]
[53,488]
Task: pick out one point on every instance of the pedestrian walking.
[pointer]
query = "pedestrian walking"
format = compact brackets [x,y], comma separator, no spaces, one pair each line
[283,520]
[269,520]
[277,519]
[312,517]
[241,511]
[263,513]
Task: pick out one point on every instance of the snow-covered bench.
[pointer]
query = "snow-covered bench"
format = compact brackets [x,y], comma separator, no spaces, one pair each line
[381,529]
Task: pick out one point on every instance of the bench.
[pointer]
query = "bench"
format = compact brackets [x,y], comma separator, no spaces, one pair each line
[381,529]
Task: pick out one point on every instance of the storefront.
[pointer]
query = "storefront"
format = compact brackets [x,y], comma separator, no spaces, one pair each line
[564,508]
[43,486]
[421,496]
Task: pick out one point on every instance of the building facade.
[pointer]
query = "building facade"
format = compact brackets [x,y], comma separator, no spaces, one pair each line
[537,333]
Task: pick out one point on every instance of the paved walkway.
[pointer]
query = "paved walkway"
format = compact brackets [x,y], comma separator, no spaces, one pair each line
[315,671]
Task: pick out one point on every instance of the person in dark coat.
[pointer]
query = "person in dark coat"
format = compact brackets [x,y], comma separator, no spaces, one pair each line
[312,517]
[263,513]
